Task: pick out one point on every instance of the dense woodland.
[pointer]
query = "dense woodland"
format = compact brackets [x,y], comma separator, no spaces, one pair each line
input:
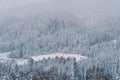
[54,69]
[96,38]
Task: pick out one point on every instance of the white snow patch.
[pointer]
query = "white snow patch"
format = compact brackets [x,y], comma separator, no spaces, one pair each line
[78,57]
[21,61]
[4,57]
[114,41]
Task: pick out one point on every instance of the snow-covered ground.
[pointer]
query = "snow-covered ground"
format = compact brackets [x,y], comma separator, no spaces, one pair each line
[46,56]
[4,57]
[21,61]
[115,41]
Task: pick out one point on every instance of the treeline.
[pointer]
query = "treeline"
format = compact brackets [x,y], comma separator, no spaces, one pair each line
[99,41]
[58,69]
[41,35]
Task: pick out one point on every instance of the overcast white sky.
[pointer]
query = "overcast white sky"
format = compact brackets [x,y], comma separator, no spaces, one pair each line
[84,7]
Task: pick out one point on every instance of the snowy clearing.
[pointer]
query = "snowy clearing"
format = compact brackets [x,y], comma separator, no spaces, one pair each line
[78,57]
[4,57]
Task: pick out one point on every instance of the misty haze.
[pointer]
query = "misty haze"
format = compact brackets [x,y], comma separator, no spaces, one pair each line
[59,40]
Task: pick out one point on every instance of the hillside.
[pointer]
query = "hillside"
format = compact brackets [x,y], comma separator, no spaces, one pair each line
[59,40]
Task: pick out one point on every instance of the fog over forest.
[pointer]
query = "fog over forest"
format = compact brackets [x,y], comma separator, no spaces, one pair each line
[59,40]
